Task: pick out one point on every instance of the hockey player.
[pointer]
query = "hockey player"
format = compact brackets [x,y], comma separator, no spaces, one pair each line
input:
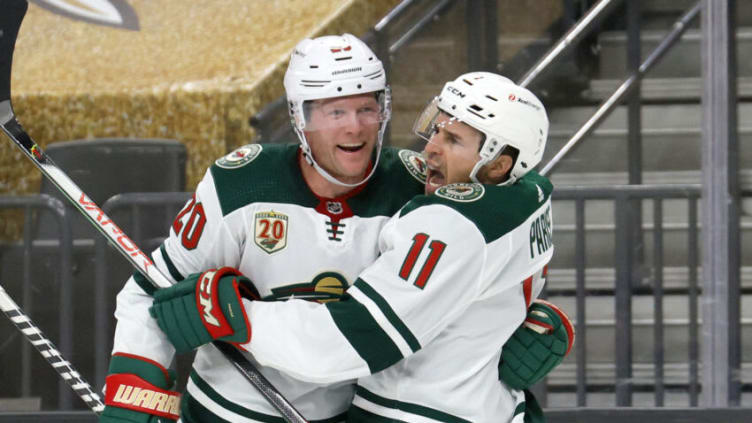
[423,326]
[300,220]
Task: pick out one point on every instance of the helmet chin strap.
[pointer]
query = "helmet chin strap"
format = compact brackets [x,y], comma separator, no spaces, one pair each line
[484,160]
[309,158]
[474,173]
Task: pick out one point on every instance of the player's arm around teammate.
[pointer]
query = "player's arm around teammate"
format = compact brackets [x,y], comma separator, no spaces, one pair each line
[452,272]
[306,196]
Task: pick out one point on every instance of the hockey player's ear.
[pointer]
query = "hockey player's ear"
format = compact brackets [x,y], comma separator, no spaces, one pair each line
[498,170]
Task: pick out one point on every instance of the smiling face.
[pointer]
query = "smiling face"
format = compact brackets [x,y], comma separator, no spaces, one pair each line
[342,133]
[450,153]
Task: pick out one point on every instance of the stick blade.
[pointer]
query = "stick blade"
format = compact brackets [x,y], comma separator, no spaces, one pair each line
[12,14]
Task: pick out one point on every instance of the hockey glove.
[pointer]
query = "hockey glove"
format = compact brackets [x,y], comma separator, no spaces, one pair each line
[537,346]
[137,391]
[205,307]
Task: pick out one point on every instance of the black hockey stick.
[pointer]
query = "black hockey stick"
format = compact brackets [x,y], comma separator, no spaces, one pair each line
[12,14]
[50,353]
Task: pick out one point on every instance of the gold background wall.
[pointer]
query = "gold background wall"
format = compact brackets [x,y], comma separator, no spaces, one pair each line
[193,71]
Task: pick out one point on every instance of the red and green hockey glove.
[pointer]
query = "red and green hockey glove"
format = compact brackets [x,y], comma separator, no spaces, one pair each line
[137,391]
[205,307]
[537,346]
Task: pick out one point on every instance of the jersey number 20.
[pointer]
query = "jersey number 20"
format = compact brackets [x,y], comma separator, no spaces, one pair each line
[419,241]
[193,227]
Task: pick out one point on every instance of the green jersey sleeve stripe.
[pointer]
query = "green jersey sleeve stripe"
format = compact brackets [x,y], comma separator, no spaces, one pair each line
[141,368]
[383,305]
[365,335]
[235,408]
[197,410]
[192,411]
[408,407]
[170,265]
[144,283]
[357,414]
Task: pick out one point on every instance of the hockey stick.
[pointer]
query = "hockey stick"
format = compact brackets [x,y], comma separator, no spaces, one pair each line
[10,21]
[50,353]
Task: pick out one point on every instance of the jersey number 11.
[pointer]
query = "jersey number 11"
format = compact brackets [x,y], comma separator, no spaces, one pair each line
[419,241]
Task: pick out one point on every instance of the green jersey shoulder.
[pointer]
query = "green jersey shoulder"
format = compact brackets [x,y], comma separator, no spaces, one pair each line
[271,173]
[495,210]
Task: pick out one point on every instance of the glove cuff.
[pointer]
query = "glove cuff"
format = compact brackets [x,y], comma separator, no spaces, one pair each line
[129,391]
[137,390]
[145,368]
[564,321]
[231,298]
[208,295]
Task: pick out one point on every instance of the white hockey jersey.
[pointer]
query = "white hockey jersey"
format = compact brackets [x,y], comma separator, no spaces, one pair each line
[253,211]
[423,327]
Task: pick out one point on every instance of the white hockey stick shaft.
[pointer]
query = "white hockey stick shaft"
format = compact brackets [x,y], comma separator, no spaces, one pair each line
[10,20]
[130,250]
[50,353]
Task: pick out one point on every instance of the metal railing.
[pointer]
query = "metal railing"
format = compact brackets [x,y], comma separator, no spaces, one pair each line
[272,123]
[62,246]
[170,202]
[625,200]
[627,86]
[626,286]
[580,415]
[20,273]
[576,32]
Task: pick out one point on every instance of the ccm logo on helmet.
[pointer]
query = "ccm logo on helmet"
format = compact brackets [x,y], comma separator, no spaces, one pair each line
[455,91]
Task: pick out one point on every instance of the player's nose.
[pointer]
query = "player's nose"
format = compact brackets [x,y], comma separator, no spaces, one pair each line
[433,145]
[352,123]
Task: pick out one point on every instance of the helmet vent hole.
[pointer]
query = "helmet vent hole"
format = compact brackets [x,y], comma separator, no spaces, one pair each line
[524,164]
[339,88]
[360,86]
[467,82]
[476,108]
[314,66]
[492,98]
[491,115]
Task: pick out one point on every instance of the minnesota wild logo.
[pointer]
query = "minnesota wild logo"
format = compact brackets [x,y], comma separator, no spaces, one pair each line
[325,287]
[270,229]
[414,164]
[462,192]
[240,157]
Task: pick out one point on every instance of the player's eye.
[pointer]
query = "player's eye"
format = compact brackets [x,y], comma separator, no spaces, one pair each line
[335,113]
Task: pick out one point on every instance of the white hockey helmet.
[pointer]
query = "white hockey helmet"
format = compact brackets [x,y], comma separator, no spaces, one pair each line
[334,66]
[506,114]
